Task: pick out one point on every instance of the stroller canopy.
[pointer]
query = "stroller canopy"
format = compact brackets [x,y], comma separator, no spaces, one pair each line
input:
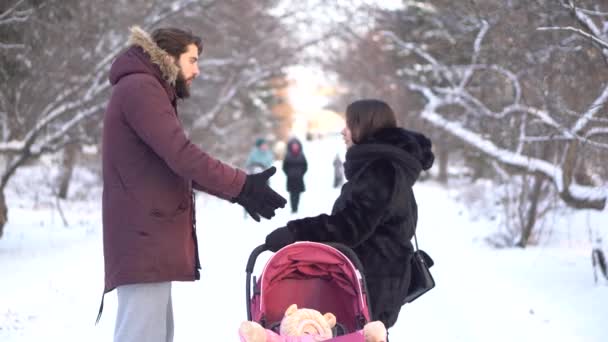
[311,275]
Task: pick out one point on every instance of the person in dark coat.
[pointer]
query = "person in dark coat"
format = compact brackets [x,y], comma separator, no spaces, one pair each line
[149,170]
[338,171]
[295,166]
[376,212]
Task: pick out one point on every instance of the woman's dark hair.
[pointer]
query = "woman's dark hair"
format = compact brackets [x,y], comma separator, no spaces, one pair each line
[366,117]
[175,41]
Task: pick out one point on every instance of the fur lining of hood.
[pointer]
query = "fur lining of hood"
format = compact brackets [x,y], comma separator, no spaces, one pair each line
[158,56]
[415,143]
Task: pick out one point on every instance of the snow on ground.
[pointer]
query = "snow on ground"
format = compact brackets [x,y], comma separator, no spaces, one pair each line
[52,274]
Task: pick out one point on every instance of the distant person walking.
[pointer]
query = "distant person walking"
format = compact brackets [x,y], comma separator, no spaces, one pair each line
[260,158]
[295,166]
[338,171]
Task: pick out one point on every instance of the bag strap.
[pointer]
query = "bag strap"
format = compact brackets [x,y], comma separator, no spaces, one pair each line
[427,258]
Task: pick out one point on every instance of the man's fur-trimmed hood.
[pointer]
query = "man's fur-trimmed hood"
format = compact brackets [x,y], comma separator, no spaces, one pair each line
[158,56]
[132,61]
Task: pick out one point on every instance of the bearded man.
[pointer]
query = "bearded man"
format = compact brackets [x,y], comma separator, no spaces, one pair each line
[150,169]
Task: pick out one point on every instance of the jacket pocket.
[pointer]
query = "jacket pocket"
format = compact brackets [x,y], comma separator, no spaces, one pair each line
[159,213]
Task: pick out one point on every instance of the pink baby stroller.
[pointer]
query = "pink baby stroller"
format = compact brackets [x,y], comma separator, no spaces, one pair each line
[324,277]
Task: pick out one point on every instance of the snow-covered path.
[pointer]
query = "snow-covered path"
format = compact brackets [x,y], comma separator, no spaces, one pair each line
[52,275]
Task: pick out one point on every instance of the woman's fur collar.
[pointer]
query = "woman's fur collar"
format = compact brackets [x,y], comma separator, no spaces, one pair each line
[158,56]
[415,143]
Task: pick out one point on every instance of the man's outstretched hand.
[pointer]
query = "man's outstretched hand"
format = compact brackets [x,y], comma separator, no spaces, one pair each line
[258,198]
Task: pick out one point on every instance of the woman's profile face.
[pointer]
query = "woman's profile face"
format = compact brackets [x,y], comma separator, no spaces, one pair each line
[347,136]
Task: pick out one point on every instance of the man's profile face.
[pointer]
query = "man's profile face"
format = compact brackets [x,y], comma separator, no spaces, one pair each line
[188,65]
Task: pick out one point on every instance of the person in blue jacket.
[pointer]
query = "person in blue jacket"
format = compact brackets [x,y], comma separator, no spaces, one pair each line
[260,157]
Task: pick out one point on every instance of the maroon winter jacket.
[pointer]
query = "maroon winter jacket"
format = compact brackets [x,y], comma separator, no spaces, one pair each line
[149,170]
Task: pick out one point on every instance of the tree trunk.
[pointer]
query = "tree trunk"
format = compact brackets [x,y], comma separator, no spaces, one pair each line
[67,168]
[3,212]
[528,228]
[478,168]
[442,154]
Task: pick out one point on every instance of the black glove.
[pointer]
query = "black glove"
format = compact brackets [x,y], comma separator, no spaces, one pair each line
[279,238]
[258,198]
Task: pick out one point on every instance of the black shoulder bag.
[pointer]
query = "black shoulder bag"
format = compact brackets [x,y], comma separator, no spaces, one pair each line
[421,280]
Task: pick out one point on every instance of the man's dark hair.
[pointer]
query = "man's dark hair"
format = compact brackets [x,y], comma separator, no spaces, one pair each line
[366,117]
[175,41]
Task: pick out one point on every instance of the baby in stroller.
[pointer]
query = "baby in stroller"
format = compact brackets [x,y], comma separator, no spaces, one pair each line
[318,278]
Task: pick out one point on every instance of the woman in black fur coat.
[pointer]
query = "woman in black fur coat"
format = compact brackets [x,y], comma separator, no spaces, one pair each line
[376,212]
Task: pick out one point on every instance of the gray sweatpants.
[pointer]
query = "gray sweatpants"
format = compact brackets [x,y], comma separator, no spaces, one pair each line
[145,313]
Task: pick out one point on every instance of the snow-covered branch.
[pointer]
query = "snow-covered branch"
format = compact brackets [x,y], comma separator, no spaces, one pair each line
[246,70]
[577,195]
[229,92]
[5,46]
[217,62]
[461,96]
[592,12]
[602,43]
[78,118]
[74,104]
[12,146]
[476,48]
[594,108]
[459,92]
[597,34]
[231,127]
[438,67]
[15,15]
[596,131]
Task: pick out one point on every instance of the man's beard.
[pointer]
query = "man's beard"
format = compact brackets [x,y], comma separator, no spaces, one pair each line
[181,87]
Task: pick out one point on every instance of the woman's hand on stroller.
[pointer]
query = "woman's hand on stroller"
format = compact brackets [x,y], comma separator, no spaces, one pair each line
[279,238]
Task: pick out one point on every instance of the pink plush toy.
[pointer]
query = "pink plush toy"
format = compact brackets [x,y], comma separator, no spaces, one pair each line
[305,325]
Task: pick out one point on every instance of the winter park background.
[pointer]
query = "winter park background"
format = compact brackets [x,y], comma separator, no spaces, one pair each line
[512,93]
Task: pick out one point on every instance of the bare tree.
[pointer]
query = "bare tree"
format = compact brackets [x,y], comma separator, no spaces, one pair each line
[251,44]
[515,86]
[73,46]
[367,70]
[73,89]
[454,105]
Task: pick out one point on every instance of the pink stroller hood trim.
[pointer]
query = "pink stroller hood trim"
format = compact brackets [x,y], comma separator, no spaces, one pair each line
[312,259]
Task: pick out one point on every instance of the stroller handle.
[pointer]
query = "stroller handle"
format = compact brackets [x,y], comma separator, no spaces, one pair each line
[254,256]
[350,254]
[249,269]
